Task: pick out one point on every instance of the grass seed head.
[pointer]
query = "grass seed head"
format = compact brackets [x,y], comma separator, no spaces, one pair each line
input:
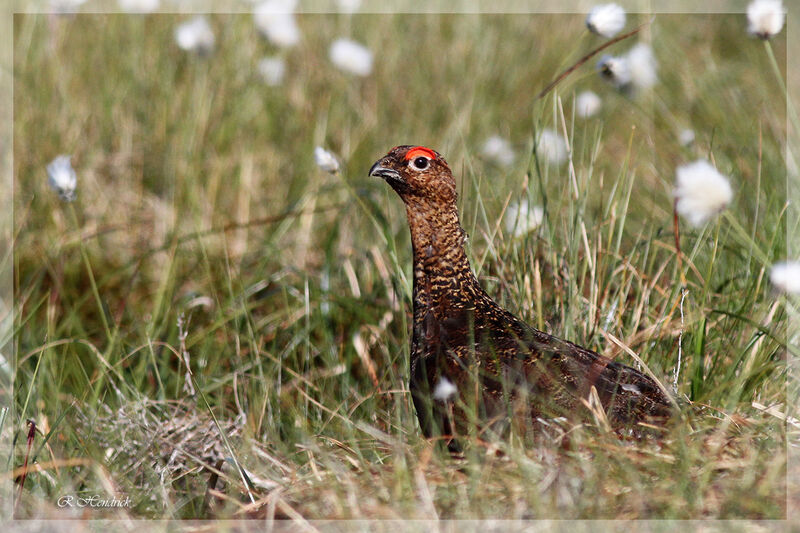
[521,218]
[272,70]
[326,160]
[587,104]
[351,57]
[499,150]
[701,192]
[785,276]
[551,147]
[642,66]
[606,20]
[765,18]
[195,35]
[275,20]
[62,177]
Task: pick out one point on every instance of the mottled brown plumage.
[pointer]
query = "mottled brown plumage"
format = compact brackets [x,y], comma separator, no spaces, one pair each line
[503,370]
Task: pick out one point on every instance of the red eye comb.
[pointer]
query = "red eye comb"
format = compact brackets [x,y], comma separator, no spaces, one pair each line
[420,151]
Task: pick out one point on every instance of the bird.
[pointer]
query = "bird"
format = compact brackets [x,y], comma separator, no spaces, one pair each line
[475,367]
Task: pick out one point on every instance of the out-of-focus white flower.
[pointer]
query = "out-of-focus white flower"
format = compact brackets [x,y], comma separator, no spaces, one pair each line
[348,6]
[786,276]
[326,160]
[606,19]
[62,177]
[642,66]
[275,20]
[686,137]
[615,69]
[66,6]
[444,389]
[272,70]
[499,150]
[637,68]
[587,104]
[551,147]
[765,18]
[139,6]
[195,35]
[521,218]
[351,57]
[701,192]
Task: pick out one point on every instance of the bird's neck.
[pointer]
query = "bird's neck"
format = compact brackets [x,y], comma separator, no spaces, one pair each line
[443,277]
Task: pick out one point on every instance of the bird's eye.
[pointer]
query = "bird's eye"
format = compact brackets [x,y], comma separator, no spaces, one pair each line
[420,163]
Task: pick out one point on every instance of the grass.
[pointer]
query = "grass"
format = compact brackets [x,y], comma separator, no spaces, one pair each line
[215,328]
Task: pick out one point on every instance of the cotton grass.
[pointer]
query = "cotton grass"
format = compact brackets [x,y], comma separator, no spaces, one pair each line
[62,177]
[606,20]
[701,192]
[351,57]
[765,18]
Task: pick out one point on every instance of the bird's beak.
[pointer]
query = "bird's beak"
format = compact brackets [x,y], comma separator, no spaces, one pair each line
[382,172]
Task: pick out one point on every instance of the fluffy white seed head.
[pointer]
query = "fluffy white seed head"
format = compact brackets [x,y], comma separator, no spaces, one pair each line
[275,20]
[765,18]
[272,70]
[62,177]
[551,147]
[139,6]
[606,19]
[686,137]
[642,66]
[66,6]
[701,192]
[499,150]
[615,69]
[521,218]
[785,276]
[351,57]
[326,160]
[444,389]
[587,104]
[348,6]
[195,35]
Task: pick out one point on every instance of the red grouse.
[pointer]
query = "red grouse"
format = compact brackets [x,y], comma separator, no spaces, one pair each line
[474,364]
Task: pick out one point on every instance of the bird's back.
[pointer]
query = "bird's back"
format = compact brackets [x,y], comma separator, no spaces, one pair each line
[502,367]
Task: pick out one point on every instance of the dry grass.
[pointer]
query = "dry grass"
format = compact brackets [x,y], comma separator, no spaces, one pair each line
[204,236]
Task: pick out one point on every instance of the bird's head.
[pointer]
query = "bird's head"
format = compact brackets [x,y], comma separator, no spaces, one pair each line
[417,174]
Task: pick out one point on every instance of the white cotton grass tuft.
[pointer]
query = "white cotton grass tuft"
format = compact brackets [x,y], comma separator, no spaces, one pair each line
[326,160]
[521,218]
[348,6]
[686,137]
[615,69]
[275,20]
[765,18]
[606,20]
[62,177]
[499,150]
[785,276]
[642,66]
[351,57]
[551,147]
[587,104]
[701,192]
[636,69]
[66,6]
[272,70]
[444,389]
[139,6]
[195,35]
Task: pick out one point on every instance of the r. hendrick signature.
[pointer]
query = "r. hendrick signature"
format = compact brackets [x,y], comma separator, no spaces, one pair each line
[95,501]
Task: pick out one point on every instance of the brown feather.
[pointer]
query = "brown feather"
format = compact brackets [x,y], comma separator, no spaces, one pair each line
[501,366]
